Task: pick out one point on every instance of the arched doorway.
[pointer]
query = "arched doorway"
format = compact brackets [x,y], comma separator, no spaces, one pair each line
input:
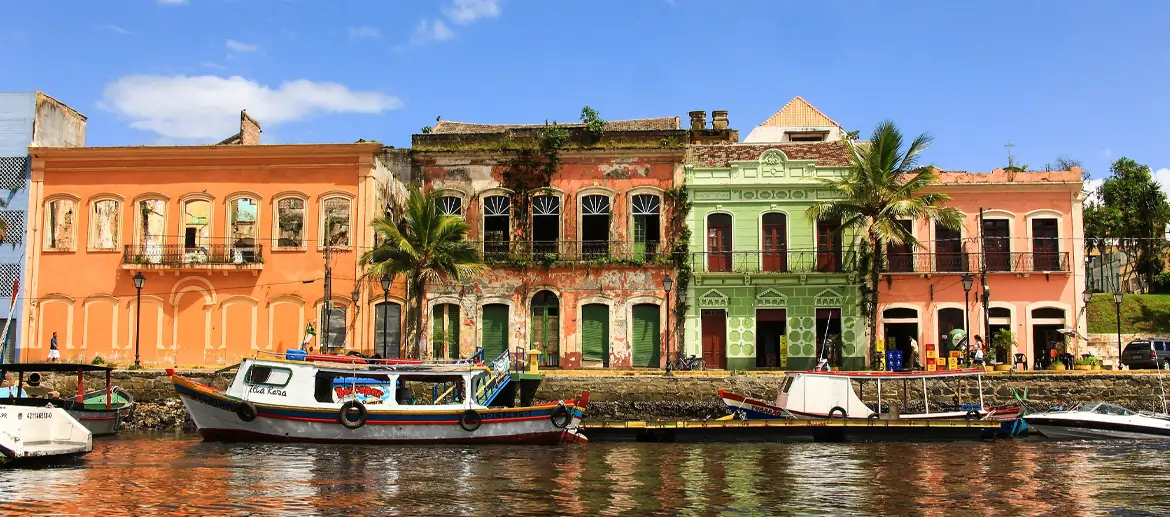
[901,326]
[445,331]
[1047,341]
[719,243]
[546,331]
[388,330]
[949,320]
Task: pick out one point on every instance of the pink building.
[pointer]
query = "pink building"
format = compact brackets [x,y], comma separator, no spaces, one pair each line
[1029,249]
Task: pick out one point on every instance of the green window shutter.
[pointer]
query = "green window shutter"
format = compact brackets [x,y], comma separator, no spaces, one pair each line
[595,332]
[646,339]
[495,331]
[453,331]
[437,330]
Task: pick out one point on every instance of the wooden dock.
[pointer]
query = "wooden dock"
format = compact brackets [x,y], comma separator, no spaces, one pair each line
[825,430]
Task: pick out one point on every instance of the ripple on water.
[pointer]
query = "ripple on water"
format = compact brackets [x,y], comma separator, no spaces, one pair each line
[179,475]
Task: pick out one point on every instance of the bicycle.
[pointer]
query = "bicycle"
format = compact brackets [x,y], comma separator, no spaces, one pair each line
[692,362]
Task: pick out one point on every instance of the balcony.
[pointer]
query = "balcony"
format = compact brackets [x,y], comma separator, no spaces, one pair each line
[790,261]
[548,253]
[973,262]
[1034,262]
[209,256]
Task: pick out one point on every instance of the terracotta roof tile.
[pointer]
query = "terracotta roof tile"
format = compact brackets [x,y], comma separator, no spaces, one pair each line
[639,124]
[826,154]
[799,113]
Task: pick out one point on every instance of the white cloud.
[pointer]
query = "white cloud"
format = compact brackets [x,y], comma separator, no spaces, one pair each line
[1107,153]
[364,32]
[469,11]
[171,2]
[1162,176]
[236,46]
[212,65]
[430,30]
[113,28]
[207,108]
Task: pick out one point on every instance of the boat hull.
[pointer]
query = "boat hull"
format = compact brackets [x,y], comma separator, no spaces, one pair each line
[215,416]
[99,423]
[1068,429]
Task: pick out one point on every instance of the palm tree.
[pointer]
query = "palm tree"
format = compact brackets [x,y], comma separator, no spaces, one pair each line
[885,185]
[424,245]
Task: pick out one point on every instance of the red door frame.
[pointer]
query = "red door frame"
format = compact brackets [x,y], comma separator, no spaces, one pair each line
[714,329]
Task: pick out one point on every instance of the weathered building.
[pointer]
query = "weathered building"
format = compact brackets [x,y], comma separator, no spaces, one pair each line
[26,119]
[770,288]
[577,227]
[231,241]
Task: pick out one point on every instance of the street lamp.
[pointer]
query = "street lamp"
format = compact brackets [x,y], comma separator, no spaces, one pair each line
[385,300]
[667,284]
[1117,299]
[968,281]
[139,283]
[987,313]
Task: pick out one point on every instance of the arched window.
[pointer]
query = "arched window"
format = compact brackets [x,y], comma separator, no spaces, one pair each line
[546,224]
[774,228]
[105,224]
[719,243]
[60,219]
[497,225]
[196,220]
[243,232]
[546,330]
[595,230]
[335,221]
[290,223]
[451,205]
[150,229]
[647,210]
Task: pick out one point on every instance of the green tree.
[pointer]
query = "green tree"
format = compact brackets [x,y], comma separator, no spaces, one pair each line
[885,185]
[424,245]
[1131,213]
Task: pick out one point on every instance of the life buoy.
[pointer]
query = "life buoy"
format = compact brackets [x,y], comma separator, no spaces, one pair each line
[560,416]
[246,411]
[972,415]
[470,420]
[872,417]
[838,409]
[344,416]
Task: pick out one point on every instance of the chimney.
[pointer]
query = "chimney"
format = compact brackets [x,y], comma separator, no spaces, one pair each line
[698,120]
[249,129]
[719,119]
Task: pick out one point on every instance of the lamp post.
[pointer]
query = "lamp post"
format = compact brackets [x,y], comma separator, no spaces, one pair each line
[667,284]
[1117,299]
[968,281]
[139,283]
[987,312]
[385,300]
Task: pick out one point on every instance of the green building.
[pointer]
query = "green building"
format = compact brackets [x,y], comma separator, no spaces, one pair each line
[769,287]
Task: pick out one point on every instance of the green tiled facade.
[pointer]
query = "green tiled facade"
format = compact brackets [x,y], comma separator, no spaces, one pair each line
[746,181]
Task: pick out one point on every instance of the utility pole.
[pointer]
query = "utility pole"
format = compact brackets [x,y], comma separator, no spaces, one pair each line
[986,289]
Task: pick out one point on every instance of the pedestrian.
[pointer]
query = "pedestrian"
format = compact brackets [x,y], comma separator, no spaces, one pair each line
[977,351]
[914,363]
[54,352]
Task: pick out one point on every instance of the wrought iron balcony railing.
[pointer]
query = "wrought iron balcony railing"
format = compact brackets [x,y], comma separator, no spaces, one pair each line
[974,262]
[179,256]
[788,261]
[520,253]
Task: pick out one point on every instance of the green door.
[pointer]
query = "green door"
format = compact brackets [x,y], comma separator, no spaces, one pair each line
[495,331]
[452,333]
[646,339]
[595,333]
[445,334]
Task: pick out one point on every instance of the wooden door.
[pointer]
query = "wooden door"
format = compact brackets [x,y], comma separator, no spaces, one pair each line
[948,251]
[714,323]
[828,246]
[996,245]
[775,245]
[900,257]
[1045,247]
[719,243]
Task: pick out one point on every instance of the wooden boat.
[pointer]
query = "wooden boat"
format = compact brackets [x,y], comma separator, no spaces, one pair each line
[815,394]
[101,411]
[299,398]
[40,433]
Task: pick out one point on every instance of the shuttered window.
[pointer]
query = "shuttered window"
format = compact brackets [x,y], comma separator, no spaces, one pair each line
[445,331]
[595,333]
[495,330]
[388,329]
[646,338]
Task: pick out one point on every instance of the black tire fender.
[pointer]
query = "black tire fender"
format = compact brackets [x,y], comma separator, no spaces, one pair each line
[470,420]
[972,415]
[344,417]
[560,416]
[838,409]
[246,411]
[872,417]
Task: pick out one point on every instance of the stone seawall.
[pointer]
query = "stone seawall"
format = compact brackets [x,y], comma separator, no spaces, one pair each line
[688,396]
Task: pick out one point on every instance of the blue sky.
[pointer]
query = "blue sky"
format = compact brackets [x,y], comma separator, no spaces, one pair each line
[1083,79]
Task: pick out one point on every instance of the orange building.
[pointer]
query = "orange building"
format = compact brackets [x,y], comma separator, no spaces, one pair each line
[230,239]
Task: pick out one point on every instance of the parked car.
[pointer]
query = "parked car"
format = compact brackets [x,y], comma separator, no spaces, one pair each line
[1146,353]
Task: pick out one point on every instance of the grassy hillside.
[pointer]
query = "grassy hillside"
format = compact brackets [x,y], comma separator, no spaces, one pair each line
[1140,313]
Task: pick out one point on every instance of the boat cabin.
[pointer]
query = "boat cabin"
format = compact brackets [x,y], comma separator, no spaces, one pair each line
[832,394]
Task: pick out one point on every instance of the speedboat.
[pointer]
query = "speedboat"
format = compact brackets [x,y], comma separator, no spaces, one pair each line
[40,433]
[101,411]
[1099,420]
[320,398]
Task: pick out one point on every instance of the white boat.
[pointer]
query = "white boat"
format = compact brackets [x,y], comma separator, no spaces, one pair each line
[40,433]
[1099,420]
[323,398]
[101,411]
[817,394]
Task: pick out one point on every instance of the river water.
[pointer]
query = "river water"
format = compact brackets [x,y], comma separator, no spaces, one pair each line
[178,474]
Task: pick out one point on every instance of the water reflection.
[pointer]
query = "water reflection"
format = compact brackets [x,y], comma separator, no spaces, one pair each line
[157,475]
